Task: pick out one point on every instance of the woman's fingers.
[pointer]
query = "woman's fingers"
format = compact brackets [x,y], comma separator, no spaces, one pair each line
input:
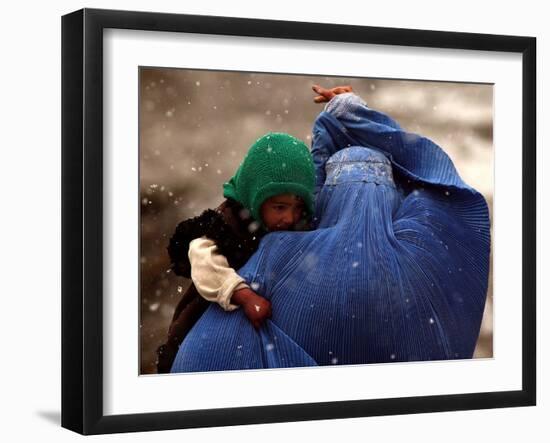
[318,89]
[342,89]
[326,95]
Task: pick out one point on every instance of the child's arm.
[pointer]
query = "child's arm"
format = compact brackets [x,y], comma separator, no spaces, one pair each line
[214,279]
[217,282]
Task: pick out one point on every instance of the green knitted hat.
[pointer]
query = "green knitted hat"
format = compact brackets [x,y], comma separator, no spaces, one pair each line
[275,164]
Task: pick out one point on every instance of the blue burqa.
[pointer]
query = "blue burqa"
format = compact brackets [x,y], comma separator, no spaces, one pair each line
[396,269]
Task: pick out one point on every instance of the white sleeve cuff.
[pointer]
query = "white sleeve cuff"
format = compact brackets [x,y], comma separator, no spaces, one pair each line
[229,286]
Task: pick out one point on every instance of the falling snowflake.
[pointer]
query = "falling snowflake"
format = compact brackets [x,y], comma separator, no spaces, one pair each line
[154,307]
[253,227]
[269,347]
[255,286]
[432,321]
[180,289]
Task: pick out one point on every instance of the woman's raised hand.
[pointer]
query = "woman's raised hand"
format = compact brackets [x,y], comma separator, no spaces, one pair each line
[326,94]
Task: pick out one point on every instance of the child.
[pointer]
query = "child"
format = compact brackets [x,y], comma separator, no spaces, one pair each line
[272,190]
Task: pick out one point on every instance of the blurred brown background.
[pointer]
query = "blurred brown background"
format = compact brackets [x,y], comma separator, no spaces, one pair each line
[196,126]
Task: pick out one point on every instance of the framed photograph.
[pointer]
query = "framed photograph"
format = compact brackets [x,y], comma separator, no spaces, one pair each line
[269,221]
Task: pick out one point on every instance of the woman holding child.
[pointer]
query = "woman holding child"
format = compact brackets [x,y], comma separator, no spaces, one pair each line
[395,269]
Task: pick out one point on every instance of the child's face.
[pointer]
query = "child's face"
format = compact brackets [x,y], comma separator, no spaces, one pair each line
[281,212]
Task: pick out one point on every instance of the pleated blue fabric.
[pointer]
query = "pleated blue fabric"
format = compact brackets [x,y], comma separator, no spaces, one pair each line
[396,269]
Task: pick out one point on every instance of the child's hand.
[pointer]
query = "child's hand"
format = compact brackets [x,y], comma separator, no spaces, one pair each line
[256,308]
[326,94]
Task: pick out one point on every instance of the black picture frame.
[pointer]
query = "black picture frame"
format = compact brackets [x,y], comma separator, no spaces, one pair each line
[82,218]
